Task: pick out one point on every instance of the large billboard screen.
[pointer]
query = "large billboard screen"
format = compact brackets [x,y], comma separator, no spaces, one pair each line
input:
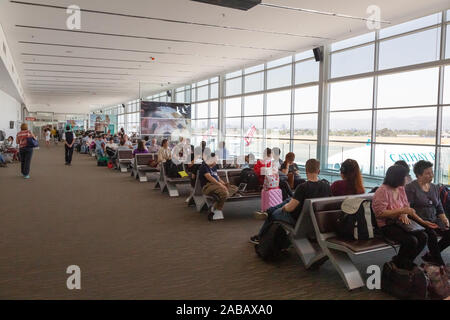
[168,120]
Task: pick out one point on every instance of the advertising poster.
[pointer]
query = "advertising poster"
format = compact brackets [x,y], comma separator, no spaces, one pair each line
[102,122]
[76,124]
[163,119]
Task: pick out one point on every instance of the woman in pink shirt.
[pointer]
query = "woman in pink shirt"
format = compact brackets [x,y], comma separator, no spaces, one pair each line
[391,208]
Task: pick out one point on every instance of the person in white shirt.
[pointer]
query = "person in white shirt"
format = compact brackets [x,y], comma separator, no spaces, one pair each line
[47,137]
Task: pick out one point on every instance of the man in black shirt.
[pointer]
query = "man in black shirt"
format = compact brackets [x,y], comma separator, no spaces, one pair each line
[70,140]
[290,210]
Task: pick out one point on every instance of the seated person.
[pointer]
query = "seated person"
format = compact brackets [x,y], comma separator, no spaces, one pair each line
[147,141]
[212,185]
[128,142]
[423,196]
[222,152]
[351,183]
[100,146]
[111,144]
[164,153]
[154,147]
[119,148]
[2,162]
[248,161]
[290,167]
[406,166]
[8,147]
[276,153]
[264,163]
[289,210]
[391,208]
[140,148]
[289,176]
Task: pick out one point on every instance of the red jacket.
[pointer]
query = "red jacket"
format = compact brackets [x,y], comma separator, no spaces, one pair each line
[257,168]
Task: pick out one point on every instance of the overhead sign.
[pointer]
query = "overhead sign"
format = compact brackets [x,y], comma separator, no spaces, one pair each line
[30,119]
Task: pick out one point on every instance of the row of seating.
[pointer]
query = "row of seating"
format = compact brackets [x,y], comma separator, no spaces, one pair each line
[314,236]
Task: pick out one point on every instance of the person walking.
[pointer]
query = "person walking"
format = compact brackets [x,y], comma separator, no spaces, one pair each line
[25,152]
[68,145]
[47,137]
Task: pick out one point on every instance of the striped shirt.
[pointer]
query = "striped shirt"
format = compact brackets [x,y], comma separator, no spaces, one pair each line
[22,138]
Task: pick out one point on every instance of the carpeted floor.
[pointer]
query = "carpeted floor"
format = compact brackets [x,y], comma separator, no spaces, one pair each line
[132,242]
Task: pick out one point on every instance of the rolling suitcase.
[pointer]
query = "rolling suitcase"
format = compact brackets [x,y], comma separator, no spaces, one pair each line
[271,198]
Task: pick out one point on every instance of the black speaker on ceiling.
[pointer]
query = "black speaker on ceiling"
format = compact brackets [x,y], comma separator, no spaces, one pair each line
[234,4]
[123,105]
[169,93]
[318,54]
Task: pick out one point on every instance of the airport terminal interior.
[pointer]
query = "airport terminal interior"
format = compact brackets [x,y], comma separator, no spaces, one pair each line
[143,143]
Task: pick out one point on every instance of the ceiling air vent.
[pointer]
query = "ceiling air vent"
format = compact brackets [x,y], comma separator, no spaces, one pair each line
[234,4]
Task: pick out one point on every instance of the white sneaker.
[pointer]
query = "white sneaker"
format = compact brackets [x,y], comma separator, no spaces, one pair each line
[260,215]
[218,215]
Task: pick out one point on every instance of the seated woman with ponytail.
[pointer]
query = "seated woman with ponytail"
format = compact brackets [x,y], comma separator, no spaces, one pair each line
[351,183]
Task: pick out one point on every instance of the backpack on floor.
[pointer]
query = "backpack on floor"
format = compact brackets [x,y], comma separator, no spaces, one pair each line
[357,221]
[102,162]
[404,284]
[444,194]
[272,242]
[249,177]
[439,287]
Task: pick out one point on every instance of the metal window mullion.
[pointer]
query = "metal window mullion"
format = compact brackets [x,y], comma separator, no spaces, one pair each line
[439,112]
[222,106]
[373,135]
[241,140]
[323,108]
[265,107]
[291,135]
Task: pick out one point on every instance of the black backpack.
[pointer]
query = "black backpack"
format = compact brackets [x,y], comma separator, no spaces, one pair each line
[357,221]
[249,177]
[272,242]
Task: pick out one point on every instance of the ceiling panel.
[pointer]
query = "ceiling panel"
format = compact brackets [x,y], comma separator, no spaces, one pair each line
[112,53]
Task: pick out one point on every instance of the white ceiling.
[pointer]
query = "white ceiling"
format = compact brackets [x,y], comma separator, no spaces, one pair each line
[66,71]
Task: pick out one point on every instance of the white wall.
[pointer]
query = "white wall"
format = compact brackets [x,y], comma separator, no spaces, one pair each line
[10,110]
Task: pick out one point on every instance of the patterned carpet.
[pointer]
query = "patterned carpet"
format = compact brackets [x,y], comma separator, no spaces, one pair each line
[132,242]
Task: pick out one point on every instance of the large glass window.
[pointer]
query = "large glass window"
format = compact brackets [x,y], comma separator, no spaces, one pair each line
[307,99]
[338,152]
[279,102]
[279,77]
[253,105]
[410,49]
[445,136]
[233,87]
[351,126]
[306,71]
[233,107]
[254,82]
[412,125]
[412,88]
[352,94]
[278,127]
[411,25]
[352,61]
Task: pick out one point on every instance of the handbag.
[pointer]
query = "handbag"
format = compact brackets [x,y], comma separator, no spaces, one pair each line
[410,228]
[32,143]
